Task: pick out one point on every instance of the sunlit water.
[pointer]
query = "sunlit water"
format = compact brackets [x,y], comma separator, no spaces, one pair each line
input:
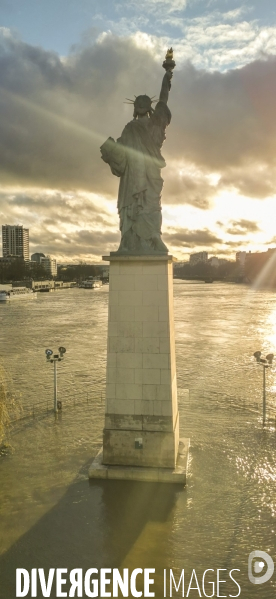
[51,516]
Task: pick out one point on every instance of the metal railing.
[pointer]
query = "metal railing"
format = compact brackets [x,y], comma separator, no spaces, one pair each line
[191,398]
[38,408]
[199,397]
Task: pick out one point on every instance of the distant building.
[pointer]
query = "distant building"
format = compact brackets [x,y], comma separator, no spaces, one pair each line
[36,257]
[198,257]
[7,261]
[15,241]
[50,265]
[241,257]
[214,261]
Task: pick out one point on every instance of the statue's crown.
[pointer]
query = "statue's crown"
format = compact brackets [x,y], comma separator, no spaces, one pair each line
[141,103]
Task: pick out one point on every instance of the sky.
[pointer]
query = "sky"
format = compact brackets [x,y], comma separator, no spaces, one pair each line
[66,68]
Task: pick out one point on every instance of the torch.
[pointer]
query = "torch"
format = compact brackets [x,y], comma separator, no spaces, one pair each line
[168,63]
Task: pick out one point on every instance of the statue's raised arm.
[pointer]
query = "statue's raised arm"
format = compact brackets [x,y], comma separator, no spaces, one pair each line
[136,158]
[168,65]
[166,86]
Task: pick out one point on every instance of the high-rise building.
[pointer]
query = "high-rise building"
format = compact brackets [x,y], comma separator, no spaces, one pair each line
[241,258]
[198,257]
[15,241]
[50,265]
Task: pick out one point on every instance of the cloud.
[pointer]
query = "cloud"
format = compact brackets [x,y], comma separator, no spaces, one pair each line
[271,241]
[56,113]
[190,239]
[243,227]
[157,6]
[255,179]
[215,40]
[227,119]
[86,244]
[213,35]
[65,225]
[235,245]
[185,184]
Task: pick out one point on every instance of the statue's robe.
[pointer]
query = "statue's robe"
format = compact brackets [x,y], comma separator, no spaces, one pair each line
[136,158]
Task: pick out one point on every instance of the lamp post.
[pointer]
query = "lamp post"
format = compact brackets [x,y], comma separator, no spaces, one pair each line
[54,358]
[265,363]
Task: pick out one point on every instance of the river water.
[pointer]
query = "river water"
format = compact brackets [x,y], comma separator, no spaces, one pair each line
[51,516]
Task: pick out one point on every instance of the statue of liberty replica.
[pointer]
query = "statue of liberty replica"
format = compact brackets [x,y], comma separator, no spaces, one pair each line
[136,158]
[141,426]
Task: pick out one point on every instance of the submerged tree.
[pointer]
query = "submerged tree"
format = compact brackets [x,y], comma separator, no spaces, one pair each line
[9,409]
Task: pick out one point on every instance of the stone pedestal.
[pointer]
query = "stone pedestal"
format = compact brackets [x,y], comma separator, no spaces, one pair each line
[141,419]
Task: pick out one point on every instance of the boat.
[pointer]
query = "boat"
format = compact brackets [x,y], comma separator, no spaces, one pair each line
[16,293]
[92,284]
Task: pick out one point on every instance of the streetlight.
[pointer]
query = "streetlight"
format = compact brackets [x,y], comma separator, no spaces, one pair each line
[265,363]
[54,358]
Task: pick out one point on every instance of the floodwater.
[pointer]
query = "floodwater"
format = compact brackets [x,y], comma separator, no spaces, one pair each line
[51,516]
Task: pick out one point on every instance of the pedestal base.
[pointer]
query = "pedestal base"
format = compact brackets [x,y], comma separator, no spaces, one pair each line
[175,475]
[141,447]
